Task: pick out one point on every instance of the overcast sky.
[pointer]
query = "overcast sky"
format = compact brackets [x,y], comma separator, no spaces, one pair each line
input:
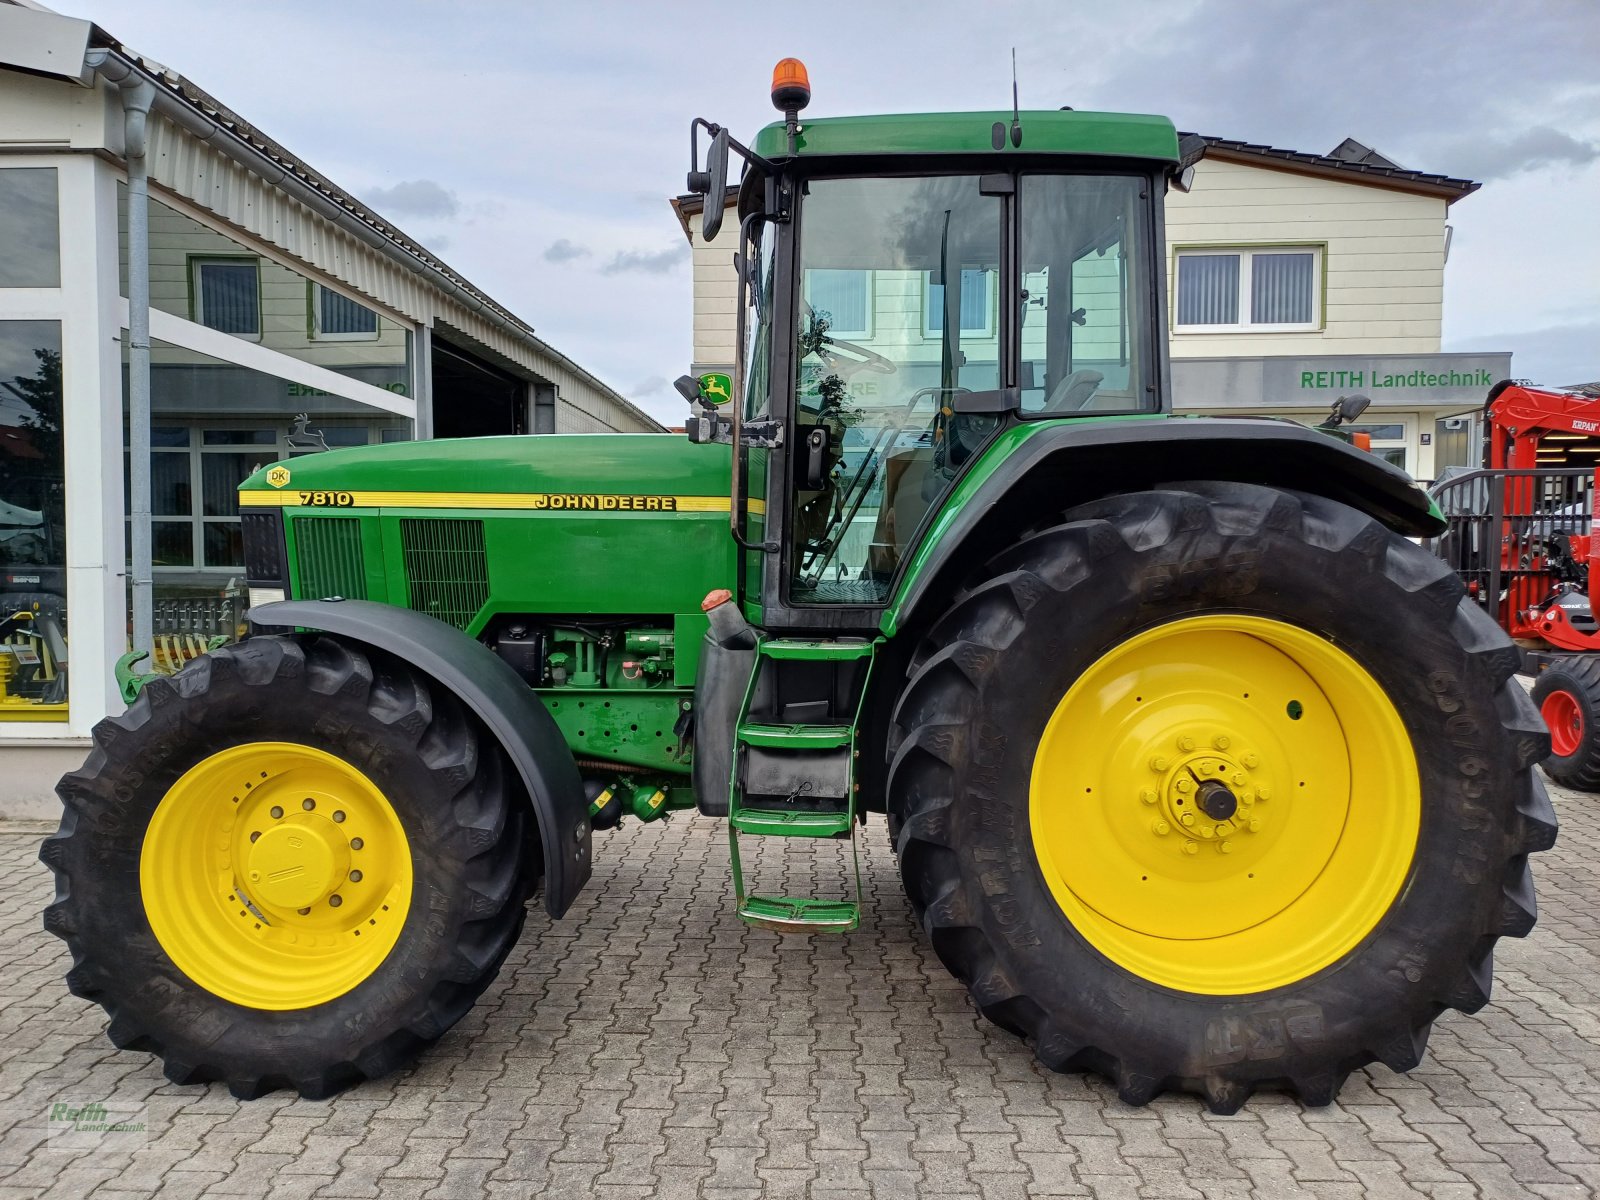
[533,146]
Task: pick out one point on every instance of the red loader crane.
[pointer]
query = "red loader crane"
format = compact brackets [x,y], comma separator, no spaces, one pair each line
[1522,538]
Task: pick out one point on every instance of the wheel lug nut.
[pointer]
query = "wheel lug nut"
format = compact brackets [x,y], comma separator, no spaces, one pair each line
[1191,848]
[1186,743]
[277,813]
[1158,763]
[1187,818]
[1238,779]
[355,876]
[1148,795]
[1161,829]
[1251,761]
[1263,794]
[1255,826]
[1207,831]
[1225,847]
[335,901]
[1221,742]
[1186,785]
[1247,798]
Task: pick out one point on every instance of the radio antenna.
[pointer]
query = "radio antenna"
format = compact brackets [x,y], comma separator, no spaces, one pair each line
[1016,118]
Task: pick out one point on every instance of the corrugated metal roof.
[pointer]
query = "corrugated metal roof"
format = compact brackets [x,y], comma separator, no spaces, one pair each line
[209,107]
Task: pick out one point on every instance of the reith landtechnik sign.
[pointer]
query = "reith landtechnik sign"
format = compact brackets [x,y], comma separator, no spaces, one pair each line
[1357,380]
[1309,382]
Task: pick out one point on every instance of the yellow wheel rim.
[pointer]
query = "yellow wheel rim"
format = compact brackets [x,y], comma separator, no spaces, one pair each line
[1225,804]
[275,875]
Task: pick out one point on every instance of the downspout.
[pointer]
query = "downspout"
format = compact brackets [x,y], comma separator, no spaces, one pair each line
[138,94]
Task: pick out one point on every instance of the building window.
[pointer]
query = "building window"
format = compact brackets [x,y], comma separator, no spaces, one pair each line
[33,524]
[30,241]
[977,303]
[1231,290]
[226,294]
[544,408]
[335,317]
[1389,442]
[845,298]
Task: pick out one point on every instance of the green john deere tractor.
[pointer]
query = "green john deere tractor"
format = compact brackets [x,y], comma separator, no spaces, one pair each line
[1200,774]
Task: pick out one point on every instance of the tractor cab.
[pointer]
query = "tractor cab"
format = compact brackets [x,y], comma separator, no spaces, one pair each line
[910,286]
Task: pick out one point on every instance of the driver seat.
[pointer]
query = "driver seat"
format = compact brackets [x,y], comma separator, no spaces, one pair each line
[1073,391]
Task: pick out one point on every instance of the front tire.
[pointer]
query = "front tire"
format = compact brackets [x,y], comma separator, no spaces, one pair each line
[1125,694]
[294,865]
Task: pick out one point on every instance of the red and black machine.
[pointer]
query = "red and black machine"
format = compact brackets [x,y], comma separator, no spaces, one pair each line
[1521,536]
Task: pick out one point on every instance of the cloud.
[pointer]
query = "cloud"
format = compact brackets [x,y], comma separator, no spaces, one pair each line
[1541,146]
[1556,356]
[415,198]
[648,262]
[654,385]
[561,250]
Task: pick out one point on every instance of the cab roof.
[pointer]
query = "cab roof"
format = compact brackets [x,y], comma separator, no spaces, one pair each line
[1113,135]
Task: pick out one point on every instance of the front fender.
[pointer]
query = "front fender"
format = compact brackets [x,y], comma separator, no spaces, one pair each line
[1034,469]
[488,686]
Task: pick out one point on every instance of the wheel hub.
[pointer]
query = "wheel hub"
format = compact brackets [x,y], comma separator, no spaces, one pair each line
[1207,795]
[297,864]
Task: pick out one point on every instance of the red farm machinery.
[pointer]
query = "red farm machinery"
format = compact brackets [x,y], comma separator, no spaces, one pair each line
[1521,536]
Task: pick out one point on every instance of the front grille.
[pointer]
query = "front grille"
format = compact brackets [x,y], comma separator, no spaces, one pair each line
[264,555]
[330,558]
[446,568]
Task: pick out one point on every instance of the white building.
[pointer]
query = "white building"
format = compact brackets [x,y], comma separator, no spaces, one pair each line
[272,296]
[1292,279]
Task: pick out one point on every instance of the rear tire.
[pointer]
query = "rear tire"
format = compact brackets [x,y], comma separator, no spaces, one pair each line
[1568,696]
[280,991]
[974,726]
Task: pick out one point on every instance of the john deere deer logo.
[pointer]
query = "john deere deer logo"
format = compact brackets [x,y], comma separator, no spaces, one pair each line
[716,387]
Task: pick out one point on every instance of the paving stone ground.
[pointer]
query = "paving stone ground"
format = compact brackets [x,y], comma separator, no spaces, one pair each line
[651,1045]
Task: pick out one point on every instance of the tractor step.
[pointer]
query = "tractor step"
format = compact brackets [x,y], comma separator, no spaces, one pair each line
[795,741]
[796,737]
[846,650]
[790,915]
[789,823]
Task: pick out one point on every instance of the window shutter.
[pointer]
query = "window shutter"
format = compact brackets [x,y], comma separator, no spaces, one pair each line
[335,314]
[840,294]
[230,299]
[1208,289]
[1281,288]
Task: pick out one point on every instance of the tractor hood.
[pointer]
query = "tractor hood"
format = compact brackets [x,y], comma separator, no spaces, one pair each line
[603,472]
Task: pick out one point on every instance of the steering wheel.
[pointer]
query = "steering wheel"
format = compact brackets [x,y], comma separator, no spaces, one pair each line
[861,358]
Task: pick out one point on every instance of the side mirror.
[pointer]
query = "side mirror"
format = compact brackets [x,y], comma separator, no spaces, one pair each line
[717,186]
[1346,409]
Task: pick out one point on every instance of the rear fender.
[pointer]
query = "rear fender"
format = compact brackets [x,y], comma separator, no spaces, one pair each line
[488,686]
[1034,470]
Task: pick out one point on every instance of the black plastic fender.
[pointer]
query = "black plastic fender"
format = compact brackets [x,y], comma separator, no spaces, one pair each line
[1072,462]
[502,701]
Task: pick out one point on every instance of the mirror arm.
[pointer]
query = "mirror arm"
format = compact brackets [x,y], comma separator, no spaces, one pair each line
[761,163]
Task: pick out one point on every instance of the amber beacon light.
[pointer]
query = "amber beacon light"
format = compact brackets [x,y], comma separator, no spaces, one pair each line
[791,86]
